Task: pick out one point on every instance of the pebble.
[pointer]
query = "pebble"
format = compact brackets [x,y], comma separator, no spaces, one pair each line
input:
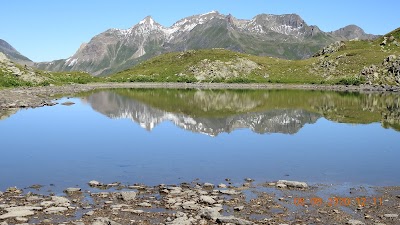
[281,185]
[248,180]
[208,185]
[207,199]
[238,208]
[127,195]
[355,222]
[391,215]
[144,204]
[53,210]
[295,184]
[94,183]
[222,185]
[229,192]
[90,213]
[21,219]
[72,190]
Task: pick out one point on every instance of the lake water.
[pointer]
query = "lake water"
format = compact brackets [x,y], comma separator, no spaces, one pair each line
[155,136]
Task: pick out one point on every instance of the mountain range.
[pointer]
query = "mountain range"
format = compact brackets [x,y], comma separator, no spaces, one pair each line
[285,36]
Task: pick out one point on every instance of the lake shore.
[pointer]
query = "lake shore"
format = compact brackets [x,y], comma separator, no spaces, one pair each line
[279,202]
[31,97]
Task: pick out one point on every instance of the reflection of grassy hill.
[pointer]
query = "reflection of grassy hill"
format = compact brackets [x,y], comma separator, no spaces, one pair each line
[340,107]
[340,65]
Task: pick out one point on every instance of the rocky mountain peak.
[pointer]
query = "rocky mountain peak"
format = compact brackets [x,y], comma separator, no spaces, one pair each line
[352,32]
[13,54]
[147,20]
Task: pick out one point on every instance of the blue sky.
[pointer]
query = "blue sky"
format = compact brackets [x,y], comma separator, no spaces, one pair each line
[45,30]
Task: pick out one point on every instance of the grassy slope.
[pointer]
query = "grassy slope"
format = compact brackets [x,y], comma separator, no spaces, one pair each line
[348,62]
[46,78]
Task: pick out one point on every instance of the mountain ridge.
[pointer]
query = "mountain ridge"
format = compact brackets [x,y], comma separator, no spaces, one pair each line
[13,54]
[283,36]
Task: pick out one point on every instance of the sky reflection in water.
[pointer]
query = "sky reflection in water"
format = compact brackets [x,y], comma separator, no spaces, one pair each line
[252,135]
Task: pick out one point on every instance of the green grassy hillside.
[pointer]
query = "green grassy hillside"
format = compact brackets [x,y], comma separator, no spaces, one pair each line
[15,75]
[340,63]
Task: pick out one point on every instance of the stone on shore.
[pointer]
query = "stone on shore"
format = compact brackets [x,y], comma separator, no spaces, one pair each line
[207,199]
[190,205]
[19,213]
[229,192]
[94,183]
[127,195]
[72,190]
[104,221]
[60,201]
[209,213]
[295,184]
[391,215]
[53,210]
[355,222]
[233,220]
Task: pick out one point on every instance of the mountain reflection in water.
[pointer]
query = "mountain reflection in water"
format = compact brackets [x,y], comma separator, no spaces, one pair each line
[213,112]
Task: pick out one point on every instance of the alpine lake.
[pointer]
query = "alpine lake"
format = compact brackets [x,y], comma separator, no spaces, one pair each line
[155,136]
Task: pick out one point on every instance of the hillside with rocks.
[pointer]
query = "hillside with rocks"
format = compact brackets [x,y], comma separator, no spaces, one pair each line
[353,62]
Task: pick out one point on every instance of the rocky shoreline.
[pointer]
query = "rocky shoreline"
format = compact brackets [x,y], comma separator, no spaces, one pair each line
[279,202]
[31,97]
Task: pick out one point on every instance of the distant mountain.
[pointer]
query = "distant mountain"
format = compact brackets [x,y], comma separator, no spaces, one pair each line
[352,32]
[284,36]
[13,54]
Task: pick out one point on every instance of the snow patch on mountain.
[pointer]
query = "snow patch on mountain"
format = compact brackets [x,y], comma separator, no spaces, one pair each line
[71,62]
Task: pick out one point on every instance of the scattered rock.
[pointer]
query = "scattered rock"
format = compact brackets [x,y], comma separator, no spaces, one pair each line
[72,190]
[229,192]
[190,205]
[95,183]
[104,221]
[238,208]
[281,185]
[207,199]
[182,219]
[19,213]
[222,186]
[295,184]
[355,222]
[391,215]
[60,201]
[233,220]
[53,210]
[144,204]
[127,195]
[208,185]
[334,47]
[248,180]
[21,219]
[209,213]
[90,213]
